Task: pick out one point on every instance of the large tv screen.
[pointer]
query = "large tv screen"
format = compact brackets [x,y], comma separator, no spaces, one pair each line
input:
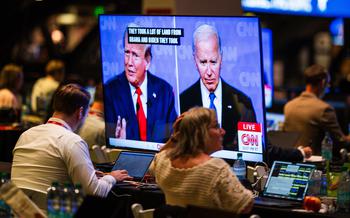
[156,67]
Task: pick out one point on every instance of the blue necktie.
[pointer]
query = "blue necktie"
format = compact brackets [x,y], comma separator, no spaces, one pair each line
[212,105]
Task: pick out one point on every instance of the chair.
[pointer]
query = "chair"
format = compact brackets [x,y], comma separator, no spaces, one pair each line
[112,154]
[97,155]
[39,198]
[191,211]
[139,212]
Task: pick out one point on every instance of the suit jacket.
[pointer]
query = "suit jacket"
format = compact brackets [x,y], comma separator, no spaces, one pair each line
[160,108]
[312,117]
[236,106]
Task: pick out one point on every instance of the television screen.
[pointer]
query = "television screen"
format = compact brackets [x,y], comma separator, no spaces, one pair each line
[266,37]
[156,67]
[336,28]
[322,8]
[274,121]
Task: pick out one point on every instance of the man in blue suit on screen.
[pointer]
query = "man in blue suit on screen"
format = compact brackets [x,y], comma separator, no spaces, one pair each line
[212,91]
[139,105]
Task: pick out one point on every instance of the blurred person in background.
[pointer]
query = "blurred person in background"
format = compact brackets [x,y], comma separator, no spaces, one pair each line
[93,130]
[188,175]
[11,81]
[45,87]
[313,117]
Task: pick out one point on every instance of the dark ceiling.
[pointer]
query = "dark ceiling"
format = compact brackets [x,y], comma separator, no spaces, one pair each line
[18,17]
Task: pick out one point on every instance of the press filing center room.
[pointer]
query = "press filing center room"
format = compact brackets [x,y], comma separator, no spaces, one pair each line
[245,60]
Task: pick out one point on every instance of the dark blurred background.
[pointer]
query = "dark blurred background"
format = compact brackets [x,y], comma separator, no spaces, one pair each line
[34,31]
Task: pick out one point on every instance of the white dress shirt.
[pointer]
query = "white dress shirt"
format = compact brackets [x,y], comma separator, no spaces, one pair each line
[143,97]
[52,152]
[217,101]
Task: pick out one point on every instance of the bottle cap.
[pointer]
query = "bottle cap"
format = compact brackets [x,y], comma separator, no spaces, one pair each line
[239,155]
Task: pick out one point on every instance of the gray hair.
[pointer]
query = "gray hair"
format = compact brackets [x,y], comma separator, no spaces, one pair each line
[203,32]
[148,47]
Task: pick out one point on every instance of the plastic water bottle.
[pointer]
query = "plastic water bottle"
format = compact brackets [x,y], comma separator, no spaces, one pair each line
[66,201]
[5,210]
[327,147]
[315,183]
[239,167]
[53,201]
[77,198]
[343,198]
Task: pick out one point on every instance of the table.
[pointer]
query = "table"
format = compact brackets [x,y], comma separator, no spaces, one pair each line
[155,198]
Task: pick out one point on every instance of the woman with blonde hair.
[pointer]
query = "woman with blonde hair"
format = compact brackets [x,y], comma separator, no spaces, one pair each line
[188,175]
[11,81]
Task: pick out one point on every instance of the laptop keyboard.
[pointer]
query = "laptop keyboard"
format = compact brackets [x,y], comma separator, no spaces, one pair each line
[276,202]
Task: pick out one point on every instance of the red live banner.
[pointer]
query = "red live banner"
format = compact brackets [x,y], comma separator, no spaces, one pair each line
[251,127]
[249,137]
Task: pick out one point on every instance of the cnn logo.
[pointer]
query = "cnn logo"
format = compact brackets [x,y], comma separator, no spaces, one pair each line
[250,139]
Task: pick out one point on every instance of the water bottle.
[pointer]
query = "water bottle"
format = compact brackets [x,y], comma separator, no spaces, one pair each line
[324,185]
[327,147]
[315,183]
[343,198]
[5,210]
[66,201]
[77,198]
[239,167]
[53,201]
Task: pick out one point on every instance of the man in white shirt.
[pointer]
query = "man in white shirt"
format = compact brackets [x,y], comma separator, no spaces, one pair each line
[53,152]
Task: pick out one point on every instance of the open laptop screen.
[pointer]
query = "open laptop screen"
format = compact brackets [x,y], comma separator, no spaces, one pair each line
[135,163]
[288,180]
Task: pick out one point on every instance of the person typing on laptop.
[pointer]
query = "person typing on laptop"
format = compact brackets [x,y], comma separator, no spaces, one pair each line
[188,175]
[53,152]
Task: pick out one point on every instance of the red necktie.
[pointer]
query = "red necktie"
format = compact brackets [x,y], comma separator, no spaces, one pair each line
[141,118]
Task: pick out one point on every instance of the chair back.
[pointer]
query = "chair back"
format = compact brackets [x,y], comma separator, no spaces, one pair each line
[39,198]
[112,154]
[139,212]
[97,155]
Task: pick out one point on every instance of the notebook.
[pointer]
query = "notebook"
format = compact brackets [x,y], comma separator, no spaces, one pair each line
[288,183]
[136,163]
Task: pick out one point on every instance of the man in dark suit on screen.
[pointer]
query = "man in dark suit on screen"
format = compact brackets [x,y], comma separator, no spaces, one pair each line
[139,105]
[212,91]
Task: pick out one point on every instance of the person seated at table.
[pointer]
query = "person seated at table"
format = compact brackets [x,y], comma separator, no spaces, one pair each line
[53,152]
[93,130]
[188,175]
[11,81]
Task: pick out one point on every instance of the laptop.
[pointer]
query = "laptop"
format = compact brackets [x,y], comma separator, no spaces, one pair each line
[283,139]
[136,163]
[286,185]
